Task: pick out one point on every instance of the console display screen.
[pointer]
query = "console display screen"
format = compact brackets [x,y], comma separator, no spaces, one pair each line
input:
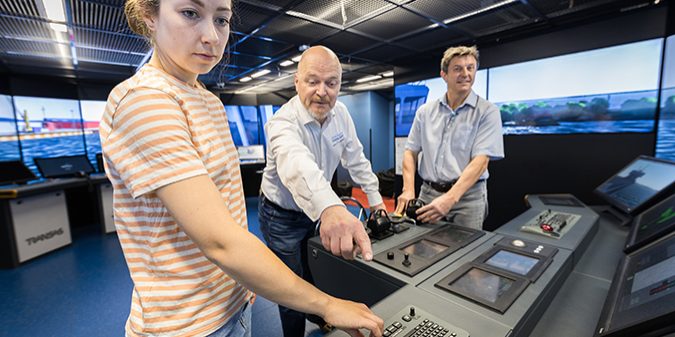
[652,283]
[515,263]
[67,166]
[482,284]
[425,249]
[656,218]
[637,183]
[453,235]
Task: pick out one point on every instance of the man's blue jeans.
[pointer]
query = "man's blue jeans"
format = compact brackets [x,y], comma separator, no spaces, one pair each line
[286,233]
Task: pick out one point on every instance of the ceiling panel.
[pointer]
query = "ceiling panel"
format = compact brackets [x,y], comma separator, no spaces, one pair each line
[332,10]
[105,56]
[20,27]
[347,42]
[369,35]
[111,41]
[432,38]
[22,8]
[392,24]
[255,46]
[296,30]
[384,53]
[99,15]
[499,20]
[445,9]
[247,17]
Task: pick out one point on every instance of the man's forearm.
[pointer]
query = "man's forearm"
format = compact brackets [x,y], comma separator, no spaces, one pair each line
[409,170]
[469,177]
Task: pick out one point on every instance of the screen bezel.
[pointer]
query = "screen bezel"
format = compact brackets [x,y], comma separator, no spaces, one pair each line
[503,303]
[40,162]
[634,242]
[628,209]
[649,316]
[27,174]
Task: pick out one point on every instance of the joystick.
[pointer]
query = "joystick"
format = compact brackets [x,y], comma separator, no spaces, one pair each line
[412,311]
[390,255]
[406,260]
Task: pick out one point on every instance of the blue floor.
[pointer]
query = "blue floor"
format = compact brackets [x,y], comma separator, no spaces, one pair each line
[84,289]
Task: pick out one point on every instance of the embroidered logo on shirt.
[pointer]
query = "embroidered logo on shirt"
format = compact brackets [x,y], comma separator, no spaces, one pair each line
[337,138]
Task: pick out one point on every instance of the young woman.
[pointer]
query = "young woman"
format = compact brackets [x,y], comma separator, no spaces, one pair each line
[178,200]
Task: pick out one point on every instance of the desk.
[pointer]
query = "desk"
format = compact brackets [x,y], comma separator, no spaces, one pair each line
[36,218]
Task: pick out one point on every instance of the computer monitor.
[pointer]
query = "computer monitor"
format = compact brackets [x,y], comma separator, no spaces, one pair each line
[638,184]
[15,172]
[657,221]
[252,154]
[641,299]
[66,166]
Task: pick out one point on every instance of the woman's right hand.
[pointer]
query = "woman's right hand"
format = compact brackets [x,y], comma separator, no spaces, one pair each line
[351,317]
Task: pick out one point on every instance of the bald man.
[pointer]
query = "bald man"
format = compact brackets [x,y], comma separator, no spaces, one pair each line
[307,138]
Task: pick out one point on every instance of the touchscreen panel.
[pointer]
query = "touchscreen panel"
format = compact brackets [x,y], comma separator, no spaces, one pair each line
[453,235]
[513,262]
[425,249]
[656,218]
[651,283]
[482,284]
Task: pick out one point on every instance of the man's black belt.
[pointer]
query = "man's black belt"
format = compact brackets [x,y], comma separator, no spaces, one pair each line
[440,187]
[444,187]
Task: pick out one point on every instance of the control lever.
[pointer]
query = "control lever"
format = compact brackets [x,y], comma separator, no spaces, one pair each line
[379,224]
[412,206]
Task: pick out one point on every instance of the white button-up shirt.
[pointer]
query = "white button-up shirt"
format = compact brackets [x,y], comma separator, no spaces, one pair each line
[302,156]
[448,139]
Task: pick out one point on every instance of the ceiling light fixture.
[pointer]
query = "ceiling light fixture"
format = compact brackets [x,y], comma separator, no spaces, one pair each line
[260,73]
[389,73]
[296,58]
[55,12]
[368,78]
[245,79]
[478,11]
[286,63]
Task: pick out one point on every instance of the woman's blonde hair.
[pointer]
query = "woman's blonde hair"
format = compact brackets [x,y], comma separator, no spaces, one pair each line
[457,51]
[135,10]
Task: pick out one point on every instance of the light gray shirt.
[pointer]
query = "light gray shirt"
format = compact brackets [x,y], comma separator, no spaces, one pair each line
[302,156]
[447,139]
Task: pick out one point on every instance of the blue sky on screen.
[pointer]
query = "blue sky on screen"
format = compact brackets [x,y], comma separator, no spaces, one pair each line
[438,87]
[630,67]
[92,110]
[53,107]
[669,64]
[657,175]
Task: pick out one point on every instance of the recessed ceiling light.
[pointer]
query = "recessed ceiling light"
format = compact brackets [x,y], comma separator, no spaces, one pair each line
[245,79]
[260,73]
[286,63]
[368,78]
[296,58]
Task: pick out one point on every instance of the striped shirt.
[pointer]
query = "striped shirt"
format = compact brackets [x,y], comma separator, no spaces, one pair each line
[157,130]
